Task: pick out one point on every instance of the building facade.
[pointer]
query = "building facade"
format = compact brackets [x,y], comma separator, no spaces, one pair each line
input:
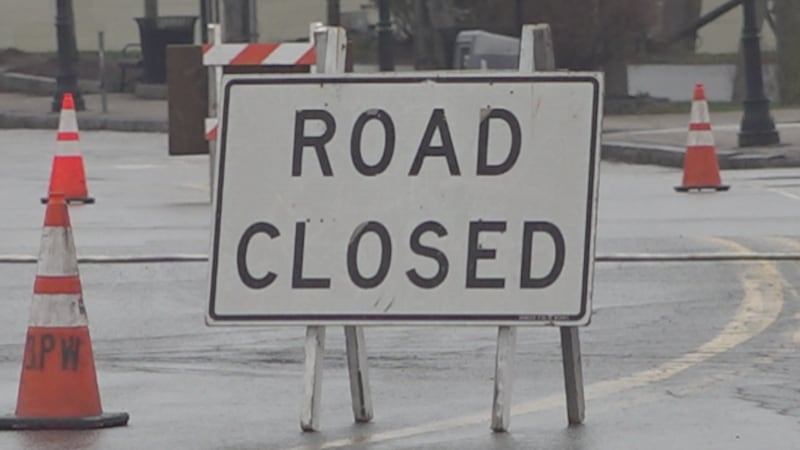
[30,25]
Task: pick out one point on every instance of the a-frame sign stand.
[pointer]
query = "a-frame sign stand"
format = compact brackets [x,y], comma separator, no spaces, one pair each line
[331,48]
[536,53]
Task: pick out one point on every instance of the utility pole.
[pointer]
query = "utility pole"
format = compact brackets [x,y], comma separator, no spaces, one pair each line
[519,16]
[334,13]
[151,8]
[205,15]
[209,13]
[66,79]
[757,126]
[238,20]
[385,37]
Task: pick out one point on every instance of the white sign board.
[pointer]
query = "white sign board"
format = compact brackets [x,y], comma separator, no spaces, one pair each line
[406,198]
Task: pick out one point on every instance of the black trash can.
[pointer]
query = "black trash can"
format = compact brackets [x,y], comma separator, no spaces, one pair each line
[155,33]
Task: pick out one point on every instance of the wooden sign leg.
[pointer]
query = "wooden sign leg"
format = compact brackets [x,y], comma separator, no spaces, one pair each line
[503,378]
[312,378]
[330,44]
[357,367]
[536,53]
[573,374]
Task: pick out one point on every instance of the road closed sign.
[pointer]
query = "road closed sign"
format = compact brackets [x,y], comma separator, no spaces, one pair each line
[406,198]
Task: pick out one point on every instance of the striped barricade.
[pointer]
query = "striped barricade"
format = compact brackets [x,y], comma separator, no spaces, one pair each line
[255,54]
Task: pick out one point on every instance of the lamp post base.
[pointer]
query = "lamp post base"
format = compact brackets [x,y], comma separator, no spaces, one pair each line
[758,138]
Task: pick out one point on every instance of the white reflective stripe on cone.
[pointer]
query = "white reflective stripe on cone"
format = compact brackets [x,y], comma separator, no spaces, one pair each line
[58,310]
[68,121]
[68,148]
[700,112]
[700,137]
[57,253]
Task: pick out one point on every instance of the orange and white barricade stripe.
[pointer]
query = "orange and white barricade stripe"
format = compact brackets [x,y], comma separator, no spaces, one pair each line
[259,54]
[219,55]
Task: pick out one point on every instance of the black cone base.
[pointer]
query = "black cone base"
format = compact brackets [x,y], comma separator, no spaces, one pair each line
[721,187]
[105,420]
[84,200]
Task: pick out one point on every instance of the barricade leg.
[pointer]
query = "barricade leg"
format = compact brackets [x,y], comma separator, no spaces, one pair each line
[330,45]
[312,378]
[573,374]
[503,378]
[359,378]
[536,53]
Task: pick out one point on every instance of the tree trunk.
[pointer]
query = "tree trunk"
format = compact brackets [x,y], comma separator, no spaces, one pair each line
[787,22]
[434,34]
[616,78]
[677,14]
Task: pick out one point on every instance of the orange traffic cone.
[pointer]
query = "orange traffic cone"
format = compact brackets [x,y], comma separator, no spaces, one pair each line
[700,166]
[68,176]
[58,384]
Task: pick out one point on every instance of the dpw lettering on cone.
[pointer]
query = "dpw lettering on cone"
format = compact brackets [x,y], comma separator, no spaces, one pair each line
[67,176]
[700,165]
[58,384]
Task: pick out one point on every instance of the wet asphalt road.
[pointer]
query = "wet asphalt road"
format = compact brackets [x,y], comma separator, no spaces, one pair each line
[678,355]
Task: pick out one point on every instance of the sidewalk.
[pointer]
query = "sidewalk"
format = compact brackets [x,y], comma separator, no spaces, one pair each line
[126,112]
[658,139]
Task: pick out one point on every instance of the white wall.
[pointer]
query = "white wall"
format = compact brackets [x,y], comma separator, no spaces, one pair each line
[27,24]
[280,20]
[30,24]
[676,81]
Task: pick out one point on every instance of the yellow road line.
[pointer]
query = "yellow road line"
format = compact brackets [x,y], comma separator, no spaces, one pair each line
[760,307]
[795,244]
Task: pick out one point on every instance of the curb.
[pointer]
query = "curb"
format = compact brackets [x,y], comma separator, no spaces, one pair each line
[615,151]
[10,120]
[671,156]
[39,85]
[635,153]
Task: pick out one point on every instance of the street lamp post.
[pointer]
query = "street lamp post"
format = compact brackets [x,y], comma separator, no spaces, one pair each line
[518,12]
[66,79]
[334,13]
[757,126]
[385,37]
